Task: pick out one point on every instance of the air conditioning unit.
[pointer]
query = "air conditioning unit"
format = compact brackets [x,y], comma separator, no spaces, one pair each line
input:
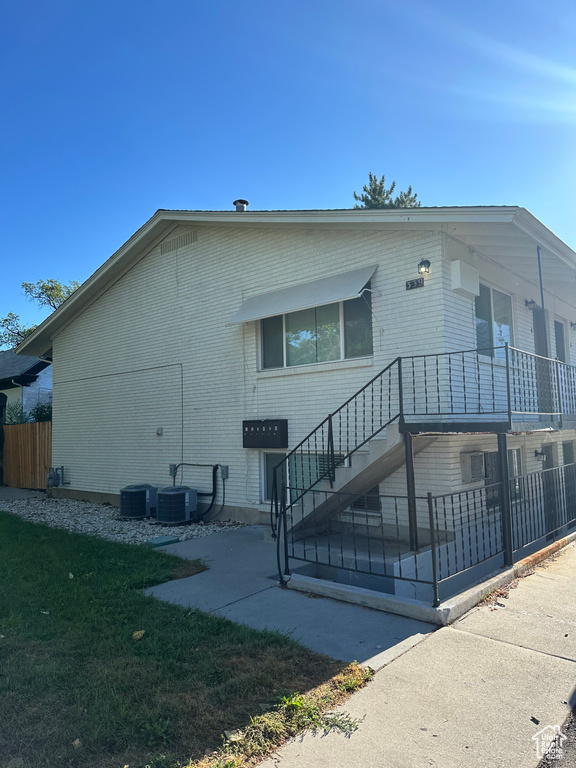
[472,465]
[176,504]
[137,501]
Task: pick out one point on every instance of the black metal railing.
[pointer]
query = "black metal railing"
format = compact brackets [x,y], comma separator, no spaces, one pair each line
[502,382]
[457,532]
[496,385]
[543,504]
[468,527]
[361,538]
[456,384]
[478,385]
[540,386]
[331,444]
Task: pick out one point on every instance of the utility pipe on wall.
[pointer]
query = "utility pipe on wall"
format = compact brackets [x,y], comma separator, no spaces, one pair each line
[543,309]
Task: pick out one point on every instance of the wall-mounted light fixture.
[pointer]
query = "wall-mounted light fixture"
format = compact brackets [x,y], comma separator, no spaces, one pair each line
[572,325]
[531,304]
[540,455]
[424,267]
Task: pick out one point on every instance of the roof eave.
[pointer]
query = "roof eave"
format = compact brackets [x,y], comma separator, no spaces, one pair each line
[544,237]
[39,343]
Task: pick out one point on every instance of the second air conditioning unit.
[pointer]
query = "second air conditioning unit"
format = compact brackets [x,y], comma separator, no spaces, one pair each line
[176,505]
[137,501]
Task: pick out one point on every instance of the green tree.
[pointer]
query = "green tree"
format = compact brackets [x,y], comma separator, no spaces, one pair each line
[41,412]
[15,413]
[12,331]
[49,293]
[46,293]
[375,195]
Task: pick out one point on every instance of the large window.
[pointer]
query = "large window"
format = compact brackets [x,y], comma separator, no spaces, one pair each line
[493,321]
[331,332]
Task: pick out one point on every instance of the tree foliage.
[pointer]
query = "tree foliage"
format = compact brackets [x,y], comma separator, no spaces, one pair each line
[15,413]
[12,331]
[375,195]
[45,293]
[41,412]
[49,293]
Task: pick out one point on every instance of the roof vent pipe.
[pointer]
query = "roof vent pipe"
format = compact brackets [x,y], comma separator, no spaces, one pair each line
[240,204]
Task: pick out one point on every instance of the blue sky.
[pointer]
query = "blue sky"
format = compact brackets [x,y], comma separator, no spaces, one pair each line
[111,110]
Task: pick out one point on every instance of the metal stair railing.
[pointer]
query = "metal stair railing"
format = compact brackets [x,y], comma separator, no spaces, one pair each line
[502,381]
[370,410]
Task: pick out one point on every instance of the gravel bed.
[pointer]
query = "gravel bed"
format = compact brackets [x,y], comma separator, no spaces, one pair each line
[103,520]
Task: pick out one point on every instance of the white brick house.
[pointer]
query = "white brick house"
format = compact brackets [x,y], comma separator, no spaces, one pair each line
[181,336]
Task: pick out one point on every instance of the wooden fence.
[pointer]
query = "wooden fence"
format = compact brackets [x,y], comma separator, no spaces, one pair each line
[27,454]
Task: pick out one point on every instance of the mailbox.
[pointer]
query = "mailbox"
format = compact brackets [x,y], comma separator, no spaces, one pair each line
[265,433]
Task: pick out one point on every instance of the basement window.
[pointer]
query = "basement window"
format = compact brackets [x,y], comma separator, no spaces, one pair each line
[338,331]
[369,502]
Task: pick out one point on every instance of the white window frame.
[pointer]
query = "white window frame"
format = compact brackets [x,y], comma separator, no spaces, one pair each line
[342,357]
[279,453]
[263,454]
[493,288]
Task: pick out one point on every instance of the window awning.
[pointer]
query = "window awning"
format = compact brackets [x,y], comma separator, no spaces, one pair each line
[327,290]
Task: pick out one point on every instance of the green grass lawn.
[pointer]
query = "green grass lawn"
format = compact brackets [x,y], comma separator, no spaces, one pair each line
[71,668]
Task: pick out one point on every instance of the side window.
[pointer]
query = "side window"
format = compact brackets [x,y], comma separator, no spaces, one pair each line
[493,312]
[3,399]
[560,338]
[337,331]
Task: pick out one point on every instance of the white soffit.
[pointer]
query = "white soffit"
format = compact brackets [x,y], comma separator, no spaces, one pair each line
[327,290]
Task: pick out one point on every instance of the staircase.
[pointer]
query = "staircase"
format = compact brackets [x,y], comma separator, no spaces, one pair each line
[365,469]
[352,450]
[312,466]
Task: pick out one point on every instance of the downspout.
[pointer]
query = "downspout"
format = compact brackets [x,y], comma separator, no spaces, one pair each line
[17,384]
[544,323]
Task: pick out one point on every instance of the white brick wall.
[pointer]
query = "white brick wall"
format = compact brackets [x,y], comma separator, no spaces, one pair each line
[111,392]
[154,352]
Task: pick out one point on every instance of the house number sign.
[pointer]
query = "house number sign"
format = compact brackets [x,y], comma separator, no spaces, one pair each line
[418,282]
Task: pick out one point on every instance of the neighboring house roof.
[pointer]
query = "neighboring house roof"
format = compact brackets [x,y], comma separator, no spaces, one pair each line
[492,232]
[19,369]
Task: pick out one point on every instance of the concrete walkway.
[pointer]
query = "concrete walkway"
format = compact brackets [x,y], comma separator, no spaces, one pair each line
[473,695]
[241,586]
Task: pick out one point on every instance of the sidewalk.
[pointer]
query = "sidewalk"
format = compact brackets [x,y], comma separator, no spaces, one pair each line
[473,695]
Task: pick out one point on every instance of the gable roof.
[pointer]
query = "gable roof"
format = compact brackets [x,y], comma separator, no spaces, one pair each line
[22,368]
[515,228]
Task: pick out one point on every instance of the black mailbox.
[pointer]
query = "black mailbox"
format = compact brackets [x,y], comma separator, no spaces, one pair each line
[265,433]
